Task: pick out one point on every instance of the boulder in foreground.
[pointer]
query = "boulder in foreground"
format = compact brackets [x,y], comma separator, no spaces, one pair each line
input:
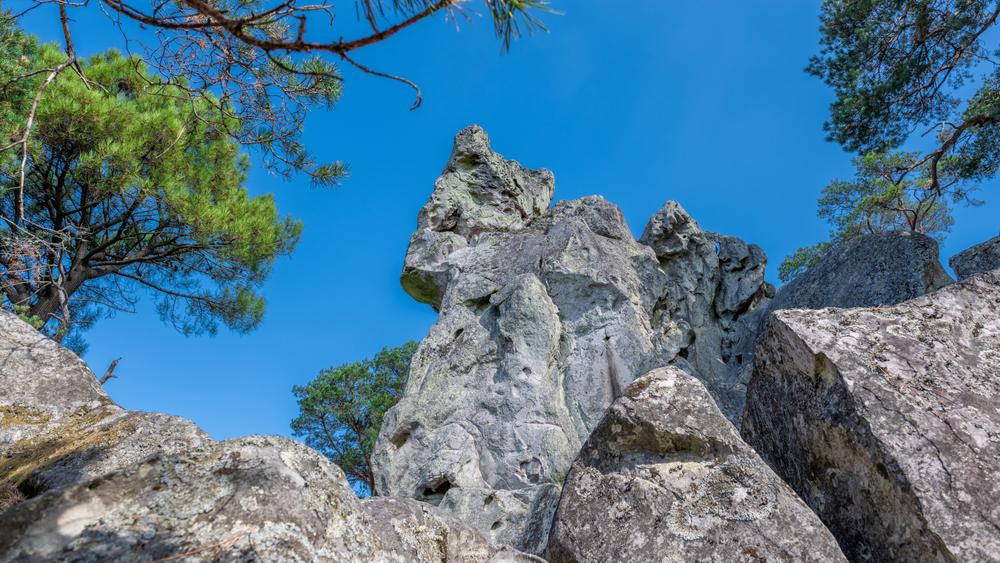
[887,421]
[664,474]
[84,479]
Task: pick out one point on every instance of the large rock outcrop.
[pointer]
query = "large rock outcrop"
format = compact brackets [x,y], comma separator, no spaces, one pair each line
[868,271]
[255,498]
[546,314]
[86,480]
[57,425]
[982,257]
[885,421]
[715,288]
[666,474]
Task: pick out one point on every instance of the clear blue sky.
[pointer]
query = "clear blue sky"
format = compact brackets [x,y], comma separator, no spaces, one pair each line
[640,102]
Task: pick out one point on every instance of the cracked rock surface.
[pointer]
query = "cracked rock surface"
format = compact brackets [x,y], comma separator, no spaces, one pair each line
[982,257]
[666,474]
[546,315]
[106,484]
[885,421]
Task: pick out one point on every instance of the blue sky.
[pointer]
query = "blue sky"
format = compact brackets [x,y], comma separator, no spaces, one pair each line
[640,102]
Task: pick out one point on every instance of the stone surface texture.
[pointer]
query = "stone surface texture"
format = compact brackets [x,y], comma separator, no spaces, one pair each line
[665,476]
[983,257]
[714,291]
[106,484]
[868,271]
[885,421]
[546,314]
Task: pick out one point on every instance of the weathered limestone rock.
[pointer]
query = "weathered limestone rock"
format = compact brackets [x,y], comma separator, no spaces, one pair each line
[102,483]
[867,271]
[982,257]
[886,421]
[255,498]
[714,285]
[665,474]
[57,425]
[478,191]
[546,315]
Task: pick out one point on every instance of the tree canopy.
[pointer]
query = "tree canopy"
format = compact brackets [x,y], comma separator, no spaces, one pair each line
[902,71]
[341,410]
[268,62]
[125,183]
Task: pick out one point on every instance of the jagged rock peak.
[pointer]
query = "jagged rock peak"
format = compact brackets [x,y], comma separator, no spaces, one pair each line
[545,317]
[669,230]
[480,190]
[714,287]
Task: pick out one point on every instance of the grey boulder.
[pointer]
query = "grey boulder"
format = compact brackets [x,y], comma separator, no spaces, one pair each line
[982,257]
[255,498]
[867,271]
[886,421]
[58,427]
[85,480]
[665,476]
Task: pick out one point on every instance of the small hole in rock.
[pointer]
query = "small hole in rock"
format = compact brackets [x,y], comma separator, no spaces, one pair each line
[433,494]
[496,525]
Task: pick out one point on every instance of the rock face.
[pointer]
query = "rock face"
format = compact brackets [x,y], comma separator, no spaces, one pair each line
[715,288]
[885,421]
[983,257]
[103,483]
[58,426]
[665,473]
[546,314]
[255,498]
[867,271]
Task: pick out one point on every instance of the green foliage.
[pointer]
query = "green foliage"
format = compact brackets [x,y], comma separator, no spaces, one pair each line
[341,410]
[876,201]
[895,65]
[131,184]
[17,51]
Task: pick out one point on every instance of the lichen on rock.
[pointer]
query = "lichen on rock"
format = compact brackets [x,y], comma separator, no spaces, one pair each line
[885,421]
[666,473]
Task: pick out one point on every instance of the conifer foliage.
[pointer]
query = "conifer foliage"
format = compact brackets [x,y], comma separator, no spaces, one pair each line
[121,184]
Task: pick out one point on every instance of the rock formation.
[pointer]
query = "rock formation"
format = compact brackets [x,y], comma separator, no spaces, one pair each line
[102,483]
[885,421]
[666,474]
[982,257]
[867,271]
[706,313]
[546,314]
